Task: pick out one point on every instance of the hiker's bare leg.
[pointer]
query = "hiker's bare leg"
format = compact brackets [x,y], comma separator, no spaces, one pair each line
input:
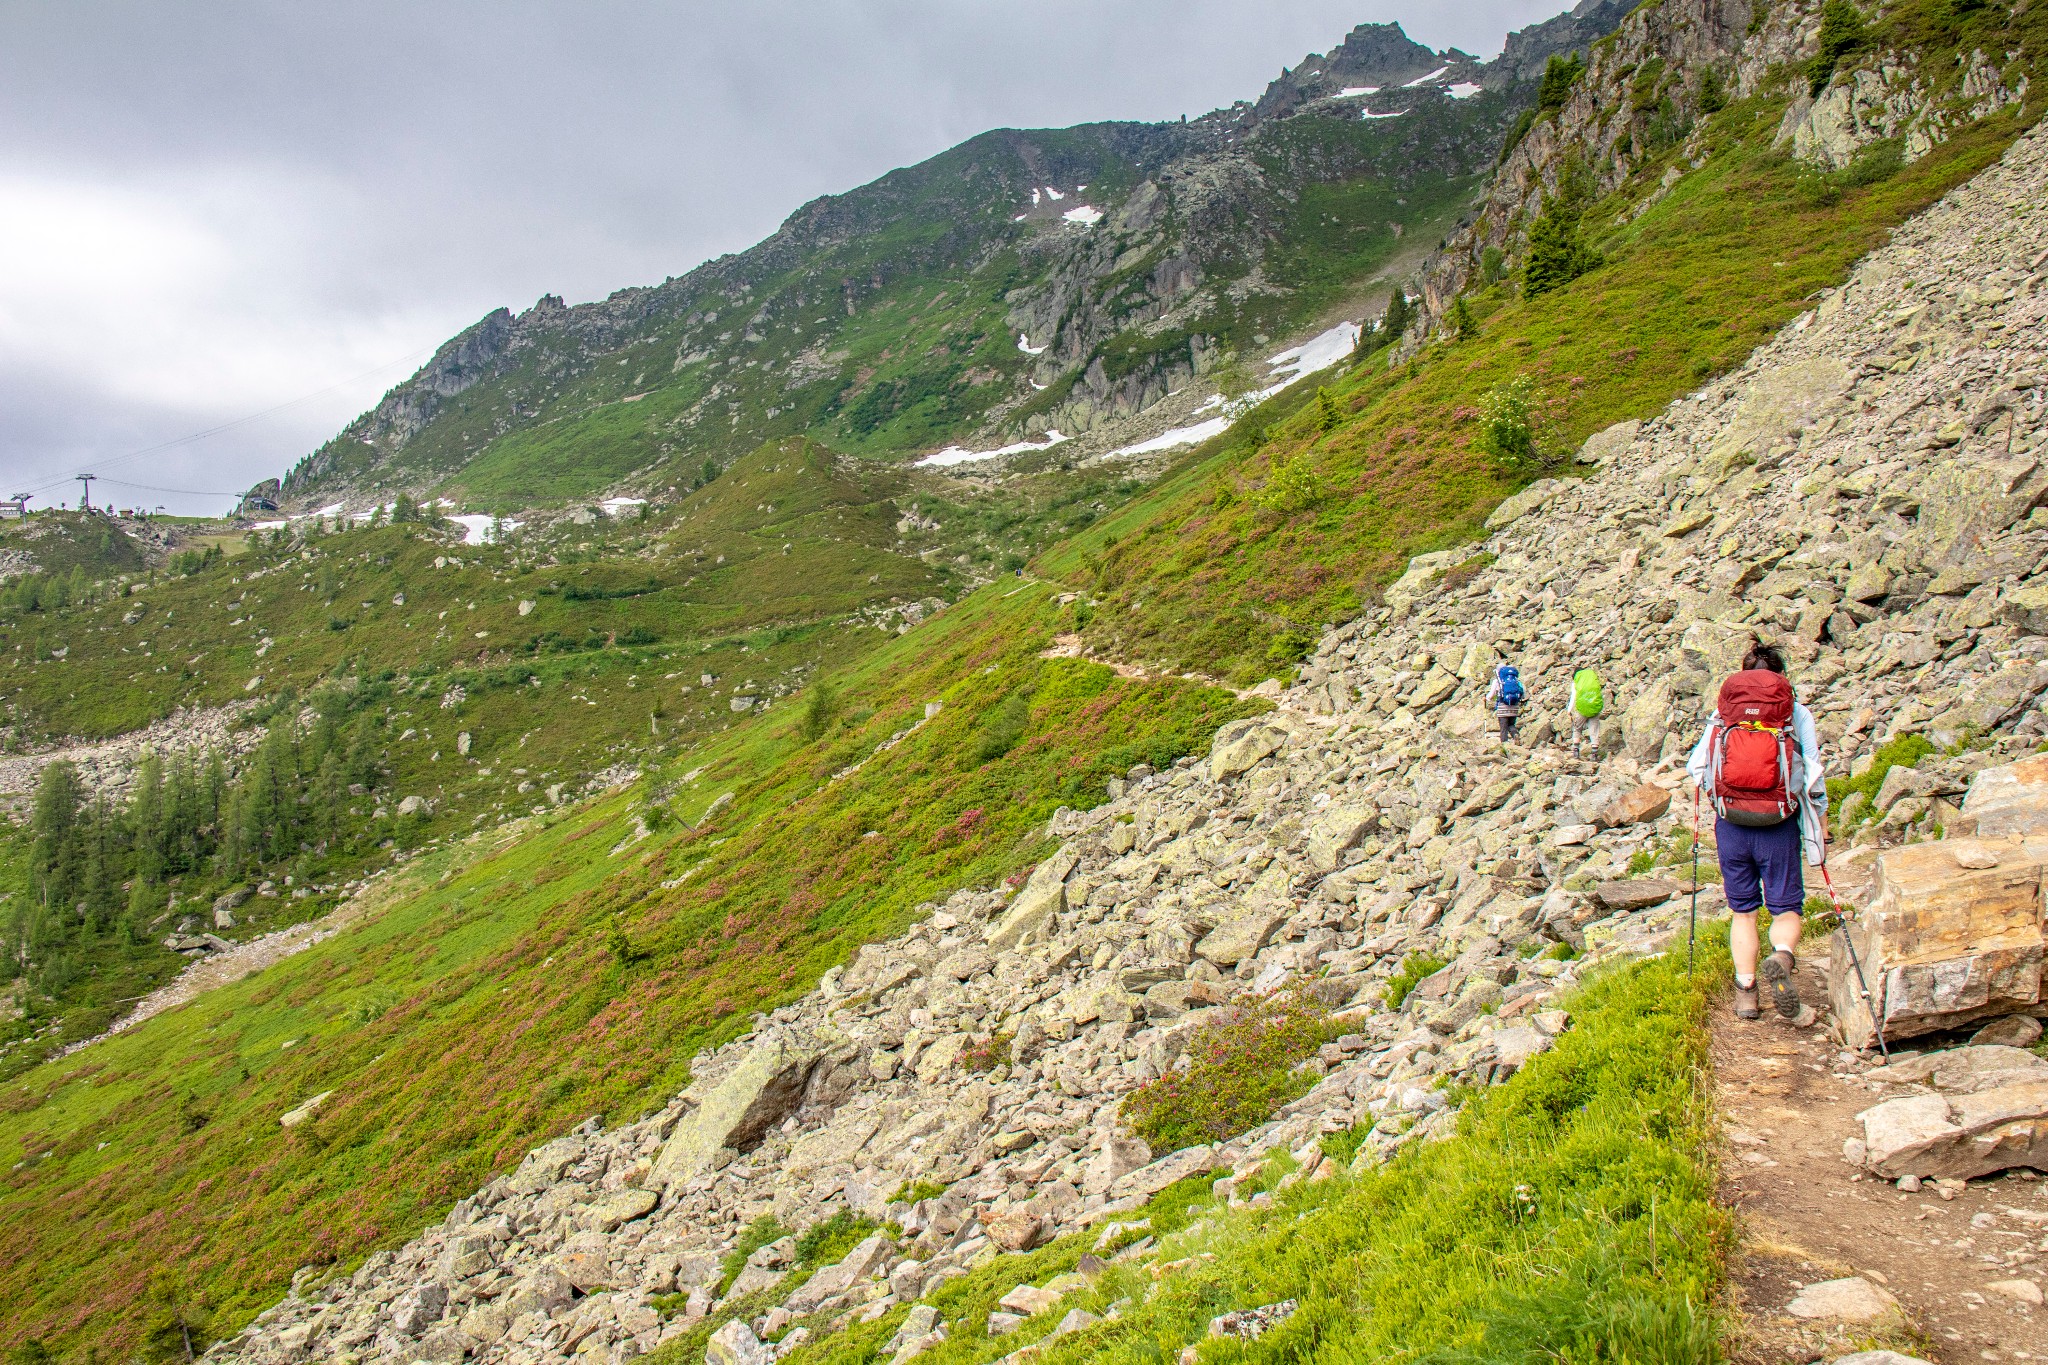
[1742,943]
[1785,930]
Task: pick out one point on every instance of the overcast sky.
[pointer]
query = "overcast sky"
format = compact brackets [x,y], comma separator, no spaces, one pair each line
[260,216]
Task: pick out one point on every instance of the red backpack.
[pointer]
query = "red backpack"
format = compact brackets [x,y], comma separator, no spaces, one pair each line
[1752,754]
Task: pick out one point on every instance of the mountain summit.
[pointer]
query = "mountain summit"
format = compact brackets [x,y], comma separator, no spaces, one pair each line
[1023,283]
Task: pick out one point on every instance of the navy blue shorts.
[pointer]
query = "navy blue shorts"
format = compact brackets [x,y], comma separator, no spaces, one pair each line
[1761,867]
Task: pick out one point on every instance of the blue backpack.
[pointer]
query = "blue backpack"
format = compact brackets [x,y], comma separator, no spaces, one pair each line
[1511,692]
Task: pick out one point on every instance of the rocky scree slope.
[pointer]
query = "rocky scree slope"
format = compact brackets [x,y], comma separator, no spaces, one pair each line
[1914,80]
[1864,492]
[1021,282]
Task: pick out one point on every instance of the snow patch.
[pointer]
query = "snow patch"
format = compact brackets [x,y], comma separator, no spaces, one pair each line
[1024,345]
[1464,90]
[953,455]
[1354,91]
[478,529]
[1395,114]
[1087,215]
[1318,353]
[1435,75]
[1179,436]
[613,506]
[1053,194]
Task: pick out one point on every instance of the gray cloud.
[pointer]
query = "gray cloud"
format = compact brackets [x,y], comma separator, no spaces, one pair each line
[209,210]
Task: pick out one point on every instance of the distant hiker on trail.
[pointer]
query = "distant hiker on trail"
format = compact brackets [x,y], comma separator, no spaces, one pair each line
[1585,702]
[1507,695]
[1759,765]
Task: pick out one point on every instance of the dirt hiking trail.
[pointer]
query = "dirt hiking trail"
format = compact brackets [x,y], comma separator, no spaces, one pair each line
[1959,1260]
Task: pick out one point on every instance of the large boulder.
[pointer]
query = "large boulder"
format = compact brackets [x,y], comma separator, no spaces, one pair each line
[466,1254]
[759,1093]
[1337,832]
[1151,1179]
[840,1140]
[1425,573]
[542,1290]
[2006,800]
[418,1308]
[1044,896]
[1959,1136]
[1643,724]
[1518,505]
[1115,1159]
[736,1344]
[1240,936]
[1645,803]
[1777,401]
[1953,933]
[869,1255]
[1242,743]
[615,1210]
[1604,445]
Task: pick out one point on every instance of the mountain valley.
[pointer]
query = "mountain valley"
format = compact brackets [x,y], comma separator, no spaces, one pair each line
[770,879]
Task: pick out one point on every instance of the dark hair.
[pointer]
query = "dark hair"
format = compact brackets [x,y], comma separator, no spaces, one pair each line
[1763,656]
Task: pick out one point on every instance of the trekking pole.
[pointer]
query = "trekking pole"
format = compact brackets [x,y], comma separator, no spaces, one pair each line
[1862,981]
[1692,921]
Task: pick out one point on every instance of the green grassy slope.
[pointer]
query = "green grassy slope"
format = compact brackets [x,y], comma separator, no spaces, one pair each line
[1222,560]
[549,977]
[56,542]
[605,666]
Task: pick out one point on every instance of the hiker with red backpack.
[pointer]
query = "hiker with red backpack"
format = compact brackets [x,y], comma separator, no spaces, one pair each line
[1759,765]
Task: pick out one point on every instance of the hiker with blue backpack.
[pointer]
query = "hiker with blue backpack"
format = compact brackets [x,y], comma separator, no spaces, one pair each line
[1507,695]
[1759,765]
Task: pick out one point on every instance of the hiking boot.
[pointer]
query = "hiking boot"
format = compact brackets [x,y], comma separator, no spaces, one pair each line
[1775,972]
[1745,1003]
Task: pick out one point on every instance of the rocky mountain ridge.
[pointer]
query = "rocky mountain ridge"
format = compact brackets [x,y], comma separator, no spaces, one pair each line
[1667,65]
[1867,492]
[1023,282]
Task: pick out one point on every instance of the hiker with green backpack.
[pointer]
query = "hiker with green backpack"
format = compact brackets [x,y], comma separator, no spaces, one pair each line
[1586,705]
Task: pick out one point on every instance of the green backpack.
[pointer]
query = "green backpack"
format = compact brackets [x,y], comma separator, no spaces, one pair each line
[1586,698]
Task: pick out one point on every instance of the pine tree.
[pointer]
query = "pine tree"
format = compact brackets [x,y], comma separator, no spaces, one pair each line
[330,798]
[1558,253]
[1395,324]
[1463,325]
[146,819]
[55,855]
[1328,411]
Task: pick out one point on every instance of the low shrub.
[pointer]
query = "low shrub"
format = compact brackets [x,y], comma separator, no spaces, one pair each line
[763,1230]
[1414,968]
[1906,751]
[1240,1068]
[825,1242]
